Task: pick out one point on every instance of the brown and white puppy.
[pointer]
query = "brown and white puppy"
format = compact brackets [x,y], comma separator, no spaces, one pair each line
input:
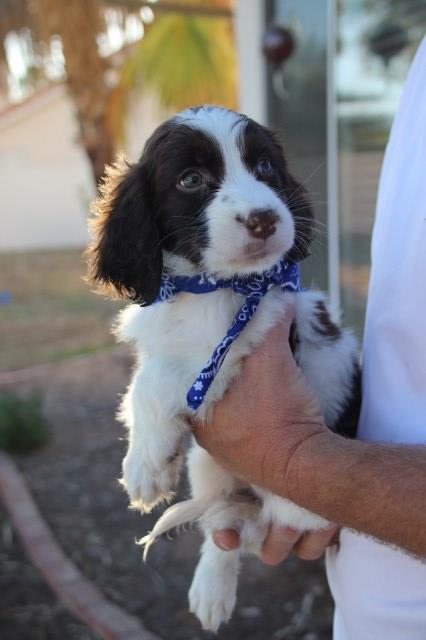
[210,193]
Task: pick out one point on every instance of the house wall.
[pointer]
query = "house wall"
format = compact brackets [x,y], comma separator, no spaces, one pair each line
[45,178]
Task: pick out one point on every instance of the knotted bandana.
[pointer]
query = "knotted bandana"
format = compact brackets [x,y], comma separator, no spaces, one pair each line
[253,287]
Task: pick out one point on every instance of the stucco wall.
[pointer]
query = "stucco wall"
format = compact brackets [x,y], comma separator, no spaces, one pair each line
[45,178]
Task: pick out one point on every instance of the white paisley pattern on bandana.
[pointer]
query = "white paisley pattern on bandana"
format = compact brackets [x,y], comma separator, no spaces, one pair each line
[253,287]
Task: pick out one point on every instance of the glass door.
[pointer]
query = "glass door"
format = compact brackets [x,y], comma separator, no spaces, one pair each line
[334,100]
[376,42]
[297,107]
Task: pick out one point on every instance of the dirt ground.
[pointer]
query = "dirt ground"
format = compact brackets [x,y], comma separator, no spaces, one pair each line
[26,602]
[74,480]
[52,313]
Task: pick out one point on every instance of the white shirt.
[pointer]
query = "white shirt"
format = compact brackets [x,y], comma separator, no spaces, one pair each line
[380,592]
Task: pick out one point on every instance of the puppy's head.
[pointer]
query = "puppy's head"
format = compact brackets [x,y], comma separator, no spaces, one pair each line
[211,192]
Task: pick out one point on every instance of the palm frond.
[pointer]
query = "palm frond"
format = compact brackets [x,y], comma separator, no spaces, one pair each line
[186,60]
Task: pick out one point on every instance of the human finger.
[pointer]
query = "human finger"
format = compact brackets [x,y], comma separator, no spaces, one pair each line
[278,544]
[313,544]
[226,539]
[275,341]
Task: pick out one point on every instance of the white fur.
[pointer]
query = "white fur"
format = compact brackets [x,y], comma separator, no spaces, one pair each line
[214,588]
[328,369]
[175,339]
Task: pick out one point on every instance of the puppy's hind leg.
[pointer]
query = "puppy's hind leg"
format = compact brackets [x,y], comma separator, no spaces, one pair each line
[214,588]
[213,592]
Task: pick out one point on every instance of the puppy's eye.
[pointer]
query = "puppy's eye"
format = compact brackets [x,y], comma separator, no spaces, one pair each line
[264,167]
[191,180]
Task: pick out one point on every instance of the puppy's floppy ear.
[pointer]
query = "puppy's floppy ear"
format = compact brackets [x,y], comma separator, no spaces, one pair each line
[126,257]
[300,207]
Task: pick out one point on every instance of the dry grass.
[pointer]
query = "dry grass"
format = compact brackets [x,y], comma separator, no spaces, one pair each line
[53,313]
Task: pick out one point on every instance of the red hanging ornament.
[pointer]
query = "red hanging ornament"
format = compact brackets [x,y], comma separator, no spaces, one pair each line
[278,44]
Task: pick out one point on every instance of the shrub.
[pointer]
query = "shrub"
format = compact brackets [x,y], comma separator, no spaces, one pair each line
[22,424]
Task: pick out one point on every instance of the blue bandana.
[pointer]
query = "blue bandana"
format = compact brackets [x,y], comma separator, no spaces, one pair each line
[253,287]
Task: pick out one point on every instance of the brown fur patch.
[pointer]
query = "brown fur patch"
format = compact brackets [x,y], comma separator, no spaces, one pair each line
[100,209]
[347,424]
[325,326]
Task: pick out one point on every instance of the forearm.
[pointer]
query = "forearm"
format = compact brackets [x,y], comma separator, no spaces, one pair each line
[273,435]
[377,489]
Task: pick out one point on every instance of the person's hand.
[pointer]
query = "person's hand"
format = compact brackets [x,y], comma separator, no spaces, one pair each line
[281,541]
[267,414]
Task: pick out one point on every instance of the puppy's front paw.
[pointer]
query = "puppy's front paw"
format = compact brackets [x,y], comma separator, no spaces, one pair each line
[148,484]
[212,597]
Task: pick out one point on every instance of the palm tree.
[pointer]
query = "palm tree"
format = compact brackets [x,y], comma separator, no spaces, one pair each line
[186,57]
[77,23]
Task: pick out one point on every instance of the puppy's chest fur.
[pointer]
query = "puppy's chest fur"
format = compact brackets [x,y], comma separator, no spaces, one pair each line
[174,341]
[180,336]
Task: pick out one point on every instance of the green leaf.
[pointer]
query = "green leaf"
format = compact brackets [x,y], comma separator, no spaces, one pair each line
[22,424]
[186,60]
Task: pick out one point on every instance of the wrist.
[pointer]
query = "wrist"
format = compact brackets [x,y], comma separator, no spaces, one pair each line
[308,465]
[284,451]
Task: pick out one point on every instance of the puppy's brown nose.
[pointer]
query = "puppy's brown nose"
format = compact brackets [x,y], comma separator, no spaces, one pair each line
[260,223]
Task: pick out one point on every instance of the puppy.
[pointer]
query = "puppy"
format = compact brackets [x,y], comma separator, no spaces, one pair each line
[210,200]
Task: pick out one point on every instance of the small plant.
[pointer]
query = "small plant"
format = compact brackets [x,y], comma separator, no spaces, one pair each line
[22,424]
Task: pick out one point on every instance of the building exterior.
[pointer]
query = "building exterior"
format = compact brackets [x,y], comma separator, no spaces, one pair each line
[333,99]
[45,177]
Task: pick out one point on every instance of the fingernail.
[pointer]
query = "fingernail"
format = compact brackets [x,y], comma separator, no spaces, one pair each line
[223,545]
[226,539]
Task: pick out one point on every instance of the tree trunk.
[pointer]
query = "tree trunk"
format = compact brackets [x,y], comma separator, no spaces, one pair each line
[78,24]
